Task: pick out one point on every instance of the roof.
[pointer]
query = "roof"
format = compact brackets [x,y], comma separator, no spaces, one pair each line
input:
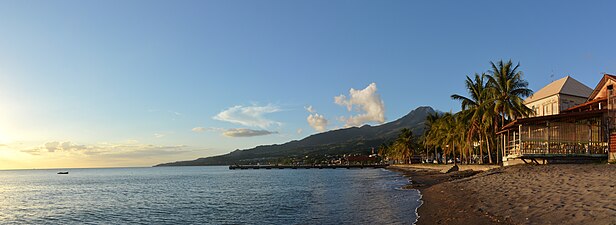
[587,104]
[566,85]
[605,78]
[556,117]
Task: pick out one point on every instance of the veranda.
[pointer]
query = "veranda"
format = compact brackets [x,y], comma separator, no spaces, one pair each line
[572,134]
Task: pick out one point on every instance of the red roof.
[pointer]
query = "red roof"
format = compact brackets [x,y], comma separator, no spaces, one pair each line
[562,116]
[588,103]
[595,92]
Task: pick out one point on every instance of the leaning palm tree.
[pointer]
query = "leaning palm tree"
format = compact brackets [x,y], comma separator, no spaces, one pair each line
[473,108]
[508,88]
[489,127]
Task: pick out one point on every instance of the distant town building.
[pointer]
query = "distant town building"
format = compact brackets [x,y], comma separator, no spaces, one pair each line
[360,159]
[557,96]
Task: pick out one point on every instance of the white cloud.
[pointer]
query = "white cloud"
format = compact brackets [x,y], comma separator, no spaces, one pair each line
[198,129]
[243,132]
[128,148]
[159,135]
[310,109]
[367,102]
[210,129]
[61,146]
[252,116]
[300,131]
[234,132]
[52,146]
[317,122]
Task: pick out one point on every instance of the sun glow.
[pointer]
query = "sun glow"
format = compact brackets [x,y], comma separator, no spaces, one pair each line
[4,138]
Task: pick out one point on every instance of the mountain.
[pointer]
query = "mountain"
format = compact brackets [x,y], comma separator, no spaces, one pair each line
[335,142]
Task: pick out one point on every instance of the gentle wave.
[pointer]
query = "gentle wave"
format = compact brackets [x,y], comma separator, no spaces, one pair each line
[210,195]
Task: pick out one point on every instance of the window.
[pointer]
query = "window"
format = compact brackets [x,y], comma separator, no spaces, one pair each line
[535,110]
[555,109]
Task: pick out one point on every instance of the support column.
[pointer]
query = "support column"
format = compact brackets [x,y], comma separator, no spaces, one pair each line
[520,140]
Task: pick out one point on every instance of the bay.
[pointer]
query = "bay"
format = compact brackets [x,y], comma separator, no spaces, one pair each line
[206,195]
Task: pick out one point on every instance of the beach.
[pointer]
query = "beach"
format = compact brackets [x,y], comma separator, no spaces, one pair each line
[522,194]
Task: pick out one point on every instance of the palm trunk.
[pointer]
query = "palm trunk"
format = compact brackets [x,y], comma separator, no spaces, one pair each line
[503,120]
[489,152]
[480,149]
[445,155]
[469,141]
[499,159]
[490,155]
[470,153]
[454,153]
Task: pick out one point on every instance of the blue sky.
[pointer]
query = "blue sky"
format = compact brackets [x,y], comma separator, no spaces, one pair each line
[135,83]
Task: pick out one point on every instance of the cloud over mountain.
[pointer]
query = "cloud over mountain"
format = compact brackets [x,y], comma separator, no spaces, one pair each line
[366,102]
[244,132]
[252,116]
[317,122]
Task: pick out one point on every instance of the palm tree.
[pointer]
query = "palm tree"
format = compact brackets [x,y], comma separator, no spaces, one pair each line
[404,144]
[459,125]
[488,127]
[437,133]
[383,151]
[447,128]
[508,88]
[430,130]
[473,108]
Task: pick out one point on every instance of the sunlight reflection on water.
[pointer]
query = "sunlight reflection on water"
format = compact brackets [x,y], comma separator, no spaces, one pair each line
[215,195]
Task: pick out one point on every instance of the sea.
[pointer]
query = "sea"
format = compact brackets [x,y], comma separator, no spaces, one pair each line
[206,195]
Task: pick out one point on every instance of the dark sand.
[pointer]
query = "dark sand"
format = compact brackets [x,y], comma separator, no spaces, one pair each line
[524,194]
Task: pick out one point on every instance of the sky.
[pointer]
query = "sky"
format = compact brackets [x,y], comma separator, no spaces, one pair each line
[137,83]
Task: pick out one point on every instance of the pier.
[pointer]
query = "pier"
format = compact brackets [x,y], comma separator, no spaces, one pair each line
[269,167]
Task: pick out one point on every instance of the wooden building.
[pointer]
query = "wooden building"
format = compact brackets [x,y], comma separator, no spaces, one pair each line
[580,133]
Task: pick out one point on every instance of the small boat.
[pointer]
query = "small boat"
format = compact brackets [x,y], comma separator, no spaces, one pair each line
[63,172]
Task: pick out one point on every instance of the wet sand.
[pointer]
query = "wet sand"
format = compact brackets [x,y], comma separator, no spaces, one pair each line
[523,194]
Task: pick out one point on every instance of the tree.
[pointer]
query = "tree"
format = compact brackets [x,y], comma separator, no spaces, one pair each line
[508,88]
[404,144]
[447,130]
[491,97]
[430,129]
[473,108]
[436,135]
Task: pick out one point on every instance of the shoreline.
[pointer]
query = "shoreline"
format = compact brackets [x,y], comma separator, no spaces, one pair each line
[522,194]
[438,205]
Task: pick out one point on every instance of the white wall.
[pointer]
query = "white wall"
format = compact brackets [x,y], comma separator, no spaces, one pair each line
[554,104]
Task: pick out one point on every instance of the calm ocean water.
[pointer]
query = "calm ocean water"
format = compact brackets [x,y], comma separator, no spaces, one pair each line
[206,195]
